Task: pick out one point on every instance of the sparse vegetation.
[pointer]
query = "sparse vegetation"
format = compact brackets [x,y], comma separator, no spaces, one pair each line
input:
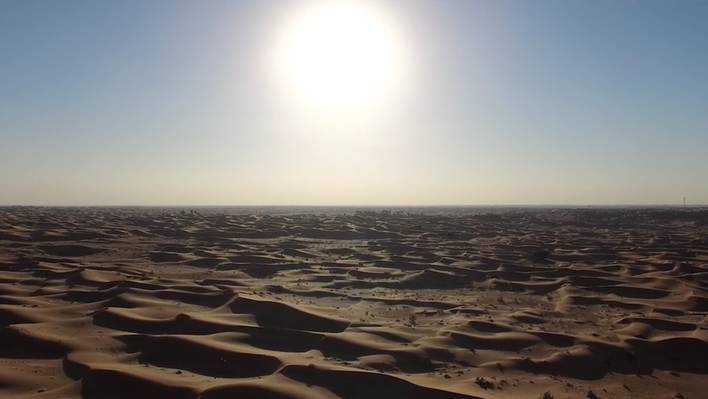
[412,320]
[484,383]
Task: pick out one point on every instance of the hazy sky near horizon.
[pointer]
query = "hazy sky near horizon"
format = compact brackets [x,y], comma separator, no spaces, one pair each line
[499,102]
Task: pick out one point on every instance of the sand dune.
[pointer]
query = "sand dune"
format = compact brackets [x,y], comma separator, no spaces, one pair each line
[168,303]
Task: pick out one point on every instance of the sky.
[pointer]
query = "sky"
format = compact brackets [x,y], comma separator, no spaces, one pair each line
[494,103]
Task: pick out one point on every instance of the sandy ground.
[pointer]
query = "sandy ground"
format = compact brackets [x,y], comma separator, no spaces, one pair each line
[159,303]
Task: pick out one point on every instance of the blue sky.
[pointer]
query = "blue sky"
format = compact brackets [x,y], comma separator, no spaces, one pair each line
[508,102]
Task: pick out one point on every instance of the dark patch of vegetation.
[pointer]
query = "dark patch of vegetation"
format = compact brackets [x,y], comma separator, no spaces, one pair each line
[484,383]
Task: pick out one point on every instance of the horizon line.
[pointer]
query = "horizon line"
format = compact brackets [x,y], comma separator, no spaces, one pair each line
[550,205]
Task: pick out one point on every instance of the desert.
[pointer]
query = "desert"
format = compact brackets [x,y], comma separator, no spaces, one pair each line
[289,303]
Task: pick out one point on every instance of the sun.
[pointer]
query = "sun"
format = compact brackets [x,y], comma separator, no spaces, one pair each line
[339,55]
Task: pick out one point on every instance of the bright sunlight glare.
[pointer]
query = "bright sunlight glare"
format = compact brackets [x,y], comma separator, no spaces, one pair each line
[339,55]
